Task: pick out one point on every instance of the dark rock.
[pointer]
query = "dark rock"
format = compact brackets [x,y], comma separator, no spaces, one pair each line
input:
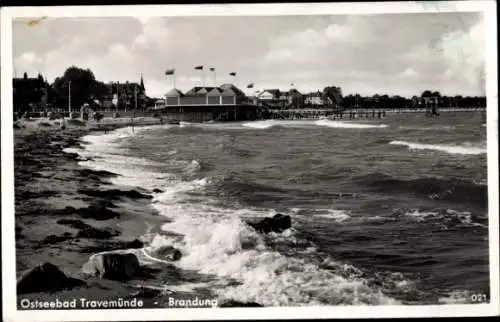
[114,266]
[102,203]
[277,223]
[114,194]
[96,174]
[71,155]
[73,223]
[113,245]
[68,210]
[40,194]
[156,190]
[232,303]
[136,243]
[46,278]
[53,239]
[167,253]
[97,211]
[97,233]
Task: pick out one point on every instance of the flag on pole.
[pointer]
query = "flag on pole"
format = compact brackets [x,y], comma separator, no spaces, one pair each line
[250,85]
[232,74]
[170,72]
[199,67]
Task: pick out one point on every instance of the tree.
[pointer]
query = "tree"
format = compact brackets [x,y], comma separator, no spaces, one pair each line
[349,101]
[82,84]
[333,94]
[436,94]
[414,101]
[426,94]
[296,99]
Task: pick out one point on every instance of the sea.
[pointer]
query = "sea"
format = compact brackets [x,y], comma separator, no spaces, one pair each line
[389,211]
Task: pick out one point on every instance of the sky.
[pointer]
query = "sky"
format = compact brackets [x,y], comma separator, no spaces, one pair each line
[393,54]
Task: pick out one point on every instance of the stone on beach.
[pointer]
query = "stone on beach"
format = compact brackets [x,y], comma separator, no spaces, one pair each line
[113,245]
[97,211]
[114,194]
[54,239]
[97,233]
[167,253]
[46,278]
[277,223]
[112,265]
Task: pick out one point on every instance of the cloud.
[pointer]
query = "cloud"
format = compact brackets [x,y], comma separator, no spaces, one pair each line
[398,54]
[408,72]
[28,60]
[120,53]
[463,53]
[339,32]
[154,35]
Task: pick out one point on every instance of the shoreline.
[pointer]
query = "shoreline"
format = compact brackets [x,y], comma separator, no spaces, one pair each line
[57,221]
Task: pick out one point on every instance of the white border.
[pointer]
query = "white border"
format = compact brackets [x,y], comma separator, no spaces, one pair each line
[10,311]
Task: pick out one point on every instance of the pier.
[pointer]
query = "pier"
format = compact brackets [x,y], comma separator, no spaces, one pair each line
[294,114]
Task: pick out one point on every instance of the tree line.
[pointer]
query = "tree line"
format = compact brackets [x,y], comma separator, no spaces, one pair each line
[332,96]
[81,85]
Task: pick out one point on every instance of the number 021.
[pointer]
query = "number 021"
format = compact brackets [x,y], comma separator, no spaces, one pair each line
[478,298]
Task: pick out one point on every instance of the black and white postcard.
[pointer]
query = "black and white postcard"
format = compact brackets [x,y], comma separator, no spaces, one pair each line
[250,161]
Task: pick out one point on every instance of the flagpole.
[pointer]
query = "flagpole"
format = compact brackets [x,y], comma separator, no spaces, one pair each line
[215,79]
[203,76]
[69,98]
[135,96]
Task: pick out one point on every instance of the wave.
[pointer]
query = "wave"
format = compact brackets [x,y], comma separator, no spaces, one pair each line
[449,218]
[452,189]
[216,241]
[452,149]
[267,124]
[260,124]
[425,128]
[348,125]
[226,247]
[336,215]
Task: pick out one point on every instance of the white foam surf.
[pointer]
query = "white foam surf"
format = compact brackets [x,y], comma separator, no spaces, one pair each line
[267,124]
[334,214]
[445,218]
[348,125]
[260,124]
[457,297]
[217,241]
[452,149]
